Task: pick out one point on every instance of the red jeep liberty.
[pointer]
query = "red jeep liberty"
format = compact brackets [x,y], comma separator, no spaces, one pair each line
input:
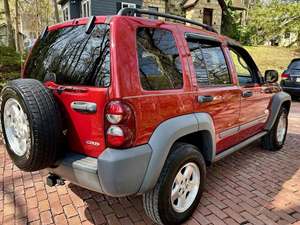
[125,105]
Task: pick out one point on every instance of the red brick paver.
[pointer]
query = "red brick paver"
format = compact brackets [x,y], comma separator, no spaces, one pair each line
[251,186]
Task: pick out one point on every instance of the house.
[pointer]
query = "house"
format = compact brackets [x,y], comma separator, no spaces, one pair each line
[205,11]
[82,8]
[287,39]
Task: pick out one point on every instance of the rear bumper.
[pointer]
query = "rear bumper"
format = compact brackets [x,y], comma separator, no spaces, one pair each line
[115,172]
[295,91]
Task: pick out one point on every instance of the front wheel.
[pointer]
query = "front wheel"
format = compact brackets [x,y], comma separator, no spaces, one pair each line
[179,188]
[275,138]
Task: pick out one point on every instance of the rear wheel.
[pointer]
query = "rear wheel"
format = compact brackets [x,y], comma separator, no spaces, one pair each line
[275,138]
[179,188]
[31,124]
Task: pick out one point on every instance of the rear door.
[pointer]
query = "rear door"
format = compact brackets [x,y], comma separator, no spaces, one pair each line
[216,93]
[254,99]
[76,66]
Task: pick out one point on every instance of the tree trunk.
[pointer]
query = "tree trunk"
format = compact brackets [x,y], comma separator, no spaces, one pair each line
[17,36]
[298,39]
[55,11]
[37,20]
[10,32]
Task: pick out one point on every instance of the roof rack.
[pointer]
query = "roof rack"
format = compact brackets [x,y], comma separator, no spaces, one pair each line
[134,11]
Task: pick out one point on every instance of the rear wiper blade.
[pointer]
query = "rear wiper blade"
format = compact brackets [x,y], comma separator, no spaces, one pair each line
[90,25]
[44,33]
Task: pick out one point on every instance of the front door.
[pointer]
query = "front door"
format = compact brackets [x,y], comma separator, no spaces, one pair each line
[254,100]
[216,94]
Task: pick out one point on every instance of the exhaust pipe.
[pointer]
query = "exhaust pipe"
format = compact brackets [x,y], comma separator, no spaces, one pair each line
[53,180]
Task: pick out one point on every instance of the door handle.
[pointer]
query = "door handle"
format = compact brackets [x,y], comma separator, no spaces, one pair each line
[84,107]
[247,94]
[205,98]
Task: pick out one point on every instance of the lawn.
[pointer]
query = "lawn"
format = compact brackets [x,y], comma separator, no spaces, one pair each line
[277,58]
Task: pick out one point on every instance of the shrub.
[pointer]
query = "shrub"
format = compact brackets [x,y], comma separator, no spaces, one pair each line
[9,60]
[10,65]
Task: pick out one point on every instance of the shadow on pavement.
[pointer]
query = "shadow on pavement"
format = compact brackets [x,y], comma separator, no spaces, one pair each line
[252,186]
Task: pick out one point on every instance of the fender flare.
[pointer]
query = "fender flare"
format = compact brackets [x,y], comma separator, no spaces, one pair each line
[166,134]
[277,100]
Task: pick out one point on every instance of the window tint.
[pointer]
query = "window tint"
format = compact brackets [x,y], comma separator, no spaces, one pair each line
[209,63]
[158,58]
[243,70]
[70,56]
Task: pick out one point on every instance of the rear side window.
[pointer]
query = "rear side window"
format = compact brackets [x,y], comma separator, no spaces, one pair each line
[158,58]
[209,64]
[70,56]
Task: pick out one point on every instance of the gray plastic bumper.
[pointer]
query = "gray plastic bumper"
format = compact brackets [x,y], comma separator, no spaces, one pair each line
[115,172]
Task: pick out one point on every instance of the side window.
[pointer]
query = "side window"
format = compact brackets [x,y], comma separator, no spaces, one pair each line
[209,63]
[158,58]
[199,63]
[242,69]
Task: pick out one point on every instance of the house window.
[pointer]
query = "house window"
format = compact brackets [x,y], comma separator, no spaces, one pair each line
[155,9]
[207,16]
[127,5]
[85,8]
[66,12]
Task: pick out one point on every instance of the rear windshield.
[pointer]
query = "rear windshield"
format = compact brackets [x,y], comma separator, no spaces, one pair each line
[69,56]
[295,65]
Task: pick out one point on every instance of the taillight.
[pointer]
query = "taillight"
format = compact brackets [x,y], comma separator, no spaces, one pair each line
[120,125]
[285,75]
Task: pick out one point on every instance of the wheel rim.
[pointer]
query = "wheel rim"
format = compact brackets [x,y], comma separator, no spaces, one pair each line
[16,127]
[281,127]
[185,187]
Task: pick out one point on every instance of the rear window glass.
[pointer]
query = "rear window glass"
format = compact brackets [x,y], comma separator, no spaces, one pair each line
[70,56]
[158,58]
[295,65]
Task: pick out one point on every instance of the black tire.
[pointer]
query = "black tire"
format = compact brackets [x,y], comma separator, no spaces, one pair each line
[44,121]
[270,141]
[157,202]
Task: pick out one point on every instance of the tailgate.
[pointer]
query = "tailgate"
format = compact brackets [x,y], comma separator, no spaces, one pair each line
[84,128]
[76,65]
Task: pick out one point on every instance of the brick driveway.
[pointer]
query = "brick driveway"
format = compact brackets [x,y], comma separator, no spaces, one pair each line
[252,186]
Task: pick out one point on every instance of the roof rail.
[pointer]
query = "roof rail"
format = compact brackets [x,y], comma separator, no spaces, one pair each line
[134,11]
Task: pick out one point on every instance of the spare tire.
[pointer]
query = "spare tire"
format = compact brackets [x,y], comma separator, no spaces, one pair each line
[31,124]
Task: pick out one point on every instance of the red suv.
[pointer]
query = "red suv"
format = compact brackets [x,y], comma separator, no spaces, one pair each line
[124,105]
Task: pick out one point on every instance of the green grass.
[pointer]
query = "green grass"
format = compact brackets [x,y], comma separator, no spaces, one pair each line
[268,57]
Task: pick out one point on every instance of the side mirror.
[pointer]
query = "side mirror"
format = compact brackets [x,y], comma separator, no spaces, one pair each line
[271,76]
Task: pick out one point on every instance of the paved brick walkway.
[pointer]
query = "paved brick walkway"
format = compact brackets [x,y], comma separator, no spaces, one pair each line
[252,186]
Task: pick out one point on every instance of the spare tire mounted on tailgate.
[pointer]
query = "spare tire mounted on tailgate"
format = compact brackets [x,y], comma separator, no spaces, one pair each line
[31,124]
